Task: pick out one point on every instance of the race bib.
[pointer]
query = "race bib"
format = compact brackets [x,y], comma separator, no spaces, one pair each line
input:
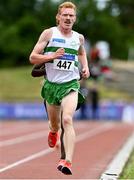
[64,65]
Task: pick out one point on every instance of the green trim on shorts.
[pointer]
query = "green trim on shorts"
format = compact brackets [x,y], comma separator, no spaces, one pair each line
[53,93]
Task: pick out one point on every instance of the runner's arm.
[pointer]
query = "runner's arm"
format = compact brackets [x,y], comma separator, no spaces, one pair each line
[37,56]
[83,58]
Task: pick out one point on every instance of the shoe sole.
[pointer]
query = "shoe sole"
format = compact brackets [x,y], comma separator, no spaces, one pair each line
[60,167]
[66,171]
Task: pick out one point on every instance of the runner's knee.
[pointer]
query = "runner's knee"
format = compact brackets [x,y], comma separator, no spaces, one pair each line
[67,120]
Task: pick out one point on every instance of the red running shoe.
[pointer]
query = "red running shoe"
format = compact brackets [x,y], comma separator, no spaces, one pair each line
[61,164]
[52,139]
[66,169]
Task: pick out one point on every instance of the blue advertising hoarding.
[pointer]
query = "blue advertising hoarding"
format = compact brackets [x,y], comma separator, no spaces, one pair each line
[106,111]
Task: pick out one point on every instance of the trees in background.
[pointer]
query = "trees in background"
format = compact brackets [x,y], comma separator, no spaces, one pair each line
[113,23]
[21,22]
[123,11]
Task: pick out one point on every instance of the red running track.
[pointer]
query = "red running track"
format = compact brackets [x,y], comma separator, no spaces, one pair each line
[24,153]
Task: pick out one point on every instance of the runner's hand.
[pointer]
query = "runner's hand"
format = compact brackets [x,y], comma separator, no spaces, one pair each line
[85,72]
[59,53]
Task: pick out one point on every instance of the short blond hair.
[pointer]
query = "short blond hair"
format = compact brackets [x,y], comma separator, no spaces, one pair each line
[66,4]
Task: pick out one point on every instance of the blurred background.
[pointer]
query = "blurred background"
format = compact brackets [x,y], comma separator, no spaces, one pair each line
[108,28]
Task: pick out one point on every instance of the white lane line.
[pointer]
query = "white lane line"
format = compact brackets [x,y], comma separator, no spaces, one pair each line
[30,136]
[5,132]
[82,136]
[24,138]
[23,128]
[29,158]
[116,166]
[95,131]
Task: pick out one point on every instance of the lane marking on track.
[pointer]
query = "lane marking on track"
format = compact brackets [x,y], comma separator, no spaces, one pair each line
[31,136]
[116,166]
[5,132]
[82,136]
[20,128]
[24,138]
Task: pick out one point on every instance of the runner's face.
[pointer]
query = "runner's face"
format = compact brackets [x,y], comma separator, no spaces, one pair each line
[67,18]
